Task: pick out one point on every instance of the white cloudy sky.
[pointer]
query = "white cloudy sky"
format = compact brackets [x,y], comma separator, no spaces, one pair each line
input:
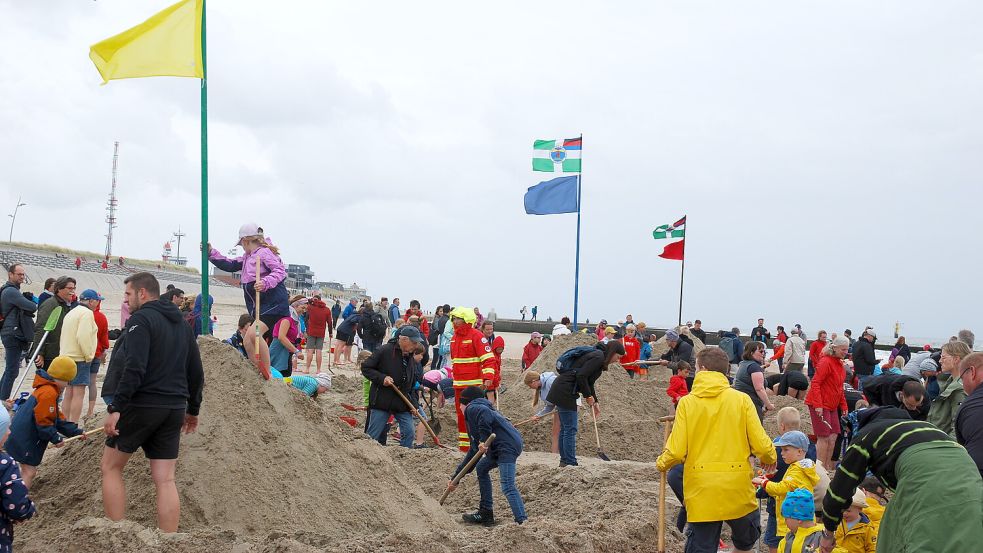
[827,153]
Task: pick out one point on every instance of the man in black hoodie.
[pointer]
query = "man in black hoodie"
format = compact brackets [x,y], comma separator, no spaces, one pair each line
[155,380]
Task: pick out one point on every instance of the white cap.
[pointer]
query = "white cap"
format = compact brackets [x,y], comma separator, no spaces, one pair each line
[249,229]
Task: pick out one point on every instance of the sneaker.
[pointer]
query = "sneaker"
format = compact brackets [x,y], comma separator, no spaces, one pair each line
[419,446]
[481,516]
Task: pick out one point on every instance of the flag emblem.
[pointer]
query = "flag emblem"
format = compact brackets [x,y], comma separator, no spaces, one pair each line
[557,156]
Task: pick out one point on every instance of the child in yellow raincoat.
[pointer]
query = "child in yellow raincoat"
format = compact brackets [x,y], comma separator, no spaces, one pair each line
[801,473]
[855,533]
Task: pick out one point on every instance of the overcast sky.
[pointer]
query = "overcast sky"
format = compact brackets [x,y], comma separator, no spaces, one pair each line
[827,154]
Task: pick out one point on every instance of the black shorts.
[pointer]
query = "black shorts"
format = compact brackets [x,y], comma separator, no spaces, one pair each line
[792,379]
[348,339]
[270,321]
[156,429]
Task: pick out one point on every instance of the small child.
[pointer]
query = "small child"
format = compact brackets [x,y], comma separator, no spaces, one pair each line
[236,340]
[876,502]
[311,385]
[801,473]
[799,513]
[677,383]
[16,506]
[483,420]
[38,421]
[855,533]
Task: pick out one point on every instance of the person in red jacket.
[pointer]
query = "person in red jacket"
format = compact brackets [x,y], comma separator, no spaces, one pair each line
[826,396]
[415,310]
[497,344]
[816,352]
[633,350]
[473,362]
[319,323]
[532,350]
[677,383]
[102,344]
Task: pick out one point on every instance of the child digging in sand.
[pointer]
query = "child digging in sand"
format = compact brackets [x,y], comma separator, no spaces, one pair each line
[38,421]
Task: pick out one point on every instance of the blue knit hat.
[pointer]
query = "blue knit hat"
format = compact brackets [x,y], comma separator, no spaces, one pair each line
[799,505]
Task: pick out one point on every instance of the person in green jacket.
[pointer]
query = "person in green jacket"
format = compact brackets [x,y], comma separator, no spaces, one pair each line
[951,395]
[64,290]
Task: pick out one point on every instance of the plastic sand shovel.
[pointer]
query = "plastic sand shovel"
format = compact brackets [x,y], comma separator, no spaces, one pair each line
[352,421]
[474,461]
[597,436]
[49,325]
[349,407]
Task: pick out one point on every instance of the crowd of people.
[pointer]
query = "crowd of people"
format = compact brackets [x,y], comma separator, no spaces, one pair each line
[896,445]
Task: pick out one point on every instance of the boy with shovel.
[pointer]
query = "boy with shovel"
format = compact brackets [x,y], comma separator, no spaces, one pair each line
[483,421]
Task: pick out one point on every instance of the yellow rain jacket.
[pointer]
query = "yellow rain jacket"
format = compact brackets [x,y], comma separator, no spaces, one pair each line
[801,474]
[875,512]
[862,538]
[715,431]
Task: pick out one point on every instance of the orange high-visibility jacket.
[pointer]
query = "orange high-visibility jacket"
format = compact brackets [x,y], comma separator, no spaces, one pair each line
[472,357]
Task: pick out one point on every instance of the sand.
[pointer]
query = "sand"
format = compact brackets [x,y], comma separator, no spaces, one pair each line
[271,470]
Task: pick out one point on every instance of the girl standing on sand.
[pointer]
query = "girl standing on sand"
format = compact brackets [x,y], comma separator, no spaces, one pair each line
[273,294]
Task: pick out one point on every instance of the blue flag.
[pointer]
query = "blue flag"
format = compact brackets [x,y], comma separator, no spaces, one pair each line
[553,196]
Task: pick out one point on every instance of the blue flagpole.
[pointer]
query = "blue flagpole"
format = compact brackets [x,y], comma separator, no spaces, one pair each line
[576,272]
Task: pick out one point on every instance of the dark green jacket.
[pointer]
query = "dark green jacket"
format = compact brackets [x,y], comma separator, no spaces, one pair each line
[51,347]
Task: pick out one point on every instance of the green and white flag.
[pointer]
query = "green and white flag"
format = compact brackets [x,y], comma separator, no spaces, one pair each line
[557,156]
[675,230]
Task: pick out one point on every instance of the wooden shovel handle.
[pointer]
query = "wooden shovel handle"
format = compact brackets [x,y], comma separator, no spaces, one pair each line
[474,460]
[412,407]
[79,437]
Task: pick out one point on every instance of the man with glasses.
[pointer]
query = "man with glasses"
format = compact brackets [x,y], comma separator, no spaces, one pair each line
[969,419]
[64,291]
[17,328]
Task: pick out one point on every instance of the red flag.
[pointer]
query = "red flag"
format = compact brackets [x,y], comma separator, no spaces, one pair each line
[674,251]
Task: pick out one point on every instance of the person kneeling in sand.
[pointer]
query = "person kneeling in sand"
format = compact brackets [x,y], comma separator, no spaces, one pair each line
[38,421]
[483,421]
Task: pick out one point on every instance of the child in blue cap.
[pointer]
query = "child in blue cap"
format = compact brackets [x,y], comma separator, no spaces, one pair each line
[16,506]
[803,535]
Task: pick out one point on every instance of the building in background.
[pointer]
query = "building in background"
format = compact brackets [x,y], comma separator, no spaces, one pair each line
[299,277]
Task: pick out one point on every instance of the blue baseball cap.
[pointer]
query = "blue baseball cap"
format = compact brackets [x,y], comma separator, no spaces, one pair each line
[794,439]
[90,294]
[799,505]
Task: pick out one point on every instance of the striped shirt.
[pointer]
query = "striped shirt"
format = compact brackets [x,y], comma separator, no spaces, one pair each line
[877,448]
[305,384]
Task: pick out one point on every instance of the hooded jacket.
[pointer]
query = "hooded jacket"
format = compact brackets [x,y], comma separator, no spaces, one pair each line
[864,359]
[862,538]
[483,421]
[883,390]
[161,364]
[51,347]
[38,422]
[472,357]
[716,431]
[319,318]
[18,313]
[274,299]
[559,329]
[944,407]
[529,353]
[682,352]
[801,474]
[389,360]
[795,351]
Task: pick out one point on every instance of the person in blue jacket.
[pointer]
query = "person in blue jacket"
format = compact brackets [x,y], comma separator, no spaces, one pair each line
[483,421]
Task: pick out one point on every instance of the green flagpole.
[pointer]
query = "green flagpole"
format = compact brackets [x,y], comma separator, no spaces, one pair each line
[205,307]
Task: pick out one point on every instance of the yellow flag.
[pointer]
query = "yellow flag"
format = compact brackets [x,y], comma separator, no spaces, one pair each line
[167,44]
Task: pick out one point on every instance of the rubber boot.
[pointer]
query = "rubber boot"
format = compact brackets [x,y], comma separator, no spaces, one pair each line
[481,516]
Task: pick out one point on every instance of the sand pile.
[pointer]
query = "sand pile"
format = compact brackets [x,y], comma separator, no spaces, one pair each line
[265,460]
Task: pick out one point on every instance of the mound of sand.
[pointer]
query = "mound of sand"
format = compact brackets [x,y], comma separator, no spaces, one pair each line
[547,358]
[265,459]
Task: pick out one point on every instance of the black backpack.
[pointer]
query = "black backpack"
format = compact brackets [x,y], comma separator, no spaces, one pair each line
[375,326]
[565,362]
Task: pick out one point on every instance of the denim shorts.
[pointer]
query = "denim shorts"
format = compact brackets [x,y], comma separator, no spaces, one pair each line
[81,374]
[94,366]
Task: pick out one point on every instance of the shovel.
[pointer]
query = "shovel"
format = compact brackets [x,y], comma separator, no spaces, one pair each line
[433,418]
[662,486]
[597,436]
[265,371]
[348,407]
[410,405]
[79,437]
[49,325]
[474,461]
